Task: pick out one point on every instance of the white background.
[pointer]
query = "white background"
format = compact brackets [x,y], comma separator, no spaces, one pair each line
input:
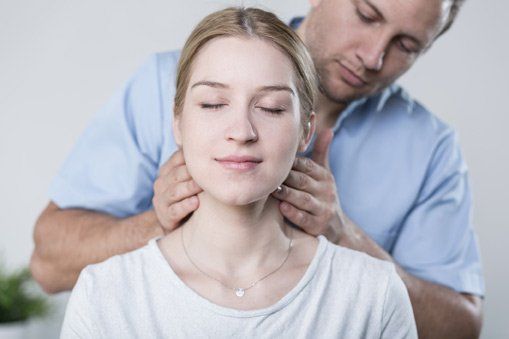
[61,60]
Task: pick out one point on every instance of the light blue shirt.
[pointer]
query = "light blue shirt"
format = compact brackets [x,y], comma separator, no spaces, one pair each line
[399,172]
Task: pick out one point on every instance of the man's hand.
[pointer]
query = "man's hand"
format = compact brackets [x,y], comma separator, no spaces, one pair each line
[174,192]
[308,195]
[309,200]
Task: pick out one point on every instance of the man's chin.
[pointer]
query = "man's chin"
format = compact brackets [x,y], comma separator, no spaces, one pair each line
[339,95]
[343,93]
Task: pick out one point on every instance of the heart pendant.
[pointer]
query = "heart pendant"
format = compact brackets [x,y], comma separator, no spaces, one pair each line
[239,292]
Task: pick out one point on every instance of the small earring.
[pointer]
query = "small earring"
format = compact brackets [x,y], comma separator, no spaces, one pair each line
[279,189]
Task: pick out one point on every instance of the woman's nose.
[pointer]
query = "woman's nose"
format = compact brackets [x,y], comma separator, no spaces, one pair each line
[242,129]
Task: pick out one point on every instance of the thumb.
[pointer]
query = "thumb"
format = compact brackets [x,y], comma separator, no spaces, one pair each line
[320,153]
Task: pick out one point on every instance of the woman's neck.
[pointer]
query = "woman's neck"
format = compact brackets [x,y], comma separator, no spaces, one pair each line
[236,240]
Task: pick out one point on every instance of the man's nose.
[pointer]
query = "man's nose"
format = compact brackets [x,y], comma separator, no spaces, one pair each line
[241,128]
[372,53]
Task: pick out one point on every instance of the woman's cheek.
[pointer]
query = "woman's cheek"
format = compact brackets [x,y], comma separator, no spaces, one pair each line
[288,146]
[195,151]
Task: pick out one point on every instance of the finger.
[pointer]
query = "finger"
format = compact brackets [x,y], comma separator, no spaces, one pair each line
[177,174]
[320,153]
[165,182]
[299,199]
[304,220]
[178,211]
[176,159]
[301,181]
[309,167]
[180,191]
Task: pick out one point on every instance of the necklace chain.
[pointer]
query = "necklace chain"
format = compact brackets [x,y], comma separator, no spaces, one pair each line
[239,291]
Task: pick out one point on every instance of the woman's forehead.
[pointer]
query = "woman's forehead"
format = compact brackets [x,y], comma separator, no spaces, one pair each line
[243,61]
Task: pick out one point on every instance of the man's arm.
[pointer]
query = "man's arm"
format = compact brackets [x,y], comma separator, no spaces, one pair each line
[67,240]
[109,175]
[309,200]
[439,311]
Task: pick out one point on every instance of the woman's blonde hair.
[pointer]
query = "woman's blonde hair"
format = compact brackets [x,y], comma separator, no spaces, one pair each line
[250,22]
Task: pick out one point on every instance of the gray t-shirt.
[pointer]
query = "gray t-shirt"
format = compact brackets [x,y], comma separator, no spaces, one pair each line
[343,294]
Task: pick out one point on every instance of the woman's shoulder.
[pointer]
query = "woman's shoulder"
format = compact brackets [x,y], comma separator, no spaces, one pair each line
[357,280]
[119,269]
[368,287]
[359,269]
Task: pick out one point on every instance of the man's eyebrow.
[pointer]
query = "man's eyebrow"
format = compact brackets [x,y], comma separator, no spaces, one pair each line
[276,88]
[214,84]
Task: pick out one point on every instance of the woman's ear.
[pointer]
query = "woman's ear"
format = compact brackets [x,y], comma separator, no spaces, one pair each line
[177,135]
[309,130]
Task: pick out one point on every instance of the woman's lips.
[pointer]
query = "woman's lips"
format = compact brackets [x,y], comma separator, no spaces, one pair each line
[235,162]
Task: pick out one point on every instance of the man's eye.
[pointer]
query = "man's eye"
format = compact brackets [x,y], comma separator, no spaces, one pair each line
[364,18]
[271,110]
[211,106]
[405,49]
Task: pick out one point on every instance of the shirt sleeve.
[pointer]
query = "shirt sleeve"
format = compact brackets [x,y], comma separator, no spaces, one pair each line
[397,317]
[78,320]
[437,241]
[114,163]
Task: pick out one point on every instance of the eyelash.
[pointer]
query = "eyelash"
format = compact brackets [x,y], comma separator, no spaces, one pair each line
[265,109]
[212,106]
[405,49]
[274,111]
[364,18]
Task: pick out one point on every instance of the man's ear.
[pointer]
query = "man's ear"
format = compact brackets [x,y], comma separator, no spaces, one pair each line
[309,130]
[177,135]
[314,3]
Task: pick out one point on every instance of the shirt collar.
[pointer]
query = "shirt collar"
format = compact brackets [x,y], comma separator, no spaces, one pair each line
[382,98]
[295,22]
[348,111]
[391,91]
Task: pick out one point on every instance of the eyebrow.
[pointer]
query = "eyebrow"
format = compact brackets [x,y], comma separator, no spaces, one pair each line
[378,13]
[276,88]
[214,84]
[270,88]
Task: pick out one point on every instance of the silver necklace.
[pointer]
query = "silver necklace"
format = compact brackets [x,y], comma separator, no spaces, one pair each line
[239,291]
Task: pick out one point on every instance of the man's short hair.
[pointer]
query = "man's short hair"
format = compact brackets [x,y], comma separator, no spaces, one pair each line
[455,8]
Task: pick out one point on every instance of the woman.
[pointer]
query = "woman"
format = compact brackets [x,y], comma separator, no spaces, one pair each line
[235,268]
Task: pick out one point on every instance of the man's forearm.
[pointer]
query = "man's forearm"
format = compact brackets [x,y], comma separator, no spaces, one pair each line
[67,240]
[439,311]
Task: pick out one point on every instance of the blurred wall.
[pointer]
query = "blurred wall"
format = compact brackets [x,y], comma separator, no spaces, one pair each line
[61,60]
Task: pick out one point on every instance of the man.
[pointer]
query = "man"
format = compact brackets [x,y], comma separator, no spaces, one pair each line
[402,188]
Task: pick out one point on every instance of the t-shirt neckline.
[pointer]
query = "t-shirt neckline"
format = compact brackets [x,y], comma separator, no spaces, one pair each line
[197,299]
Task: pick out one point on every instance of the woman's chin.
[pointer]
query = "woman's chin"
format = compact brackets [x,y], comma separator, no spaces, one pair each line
[241,198]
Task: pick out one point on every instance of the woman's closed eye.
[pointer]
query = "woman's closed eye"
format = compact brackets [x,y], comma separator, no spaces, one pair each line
[211,106]
[272,110]
[214,106]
